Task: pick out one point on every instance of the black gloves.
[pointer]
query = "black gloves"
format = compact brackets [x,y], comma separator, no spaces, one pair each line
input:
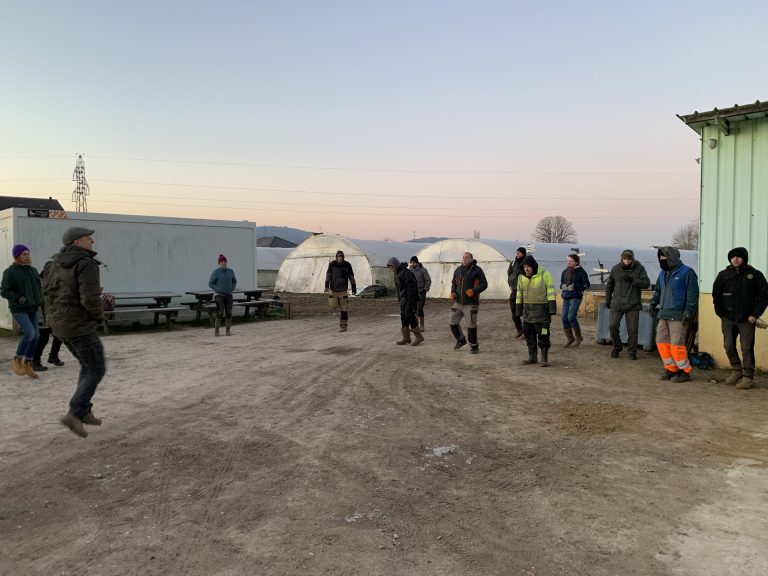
[687,318]
[354,289]
[552,307]
[653,310]
[608,304]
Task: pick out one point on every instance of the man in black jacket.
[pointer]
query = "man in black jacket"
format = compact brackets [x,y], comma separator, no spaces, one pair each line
[407,291]
[338,278]
[623,296]
[468,282]
[740,295]
[513,273]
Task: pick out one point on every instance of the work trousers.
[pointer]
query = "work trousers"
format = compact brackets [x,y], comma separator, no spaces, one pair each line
[223,305]
[468,311]
[670,340]
[633,323]
[340,301]
[408,315]
[746,333]
[420,304]
[537,333]
[90,353]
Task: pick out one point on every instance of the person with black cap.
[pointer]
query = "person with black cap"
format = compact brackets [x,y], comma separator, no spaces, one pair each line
[423,283]
[406,288]
[574,281]
[675,303]
[740,296]
[72,290]
[536,303]
[223,282]
[513,273]
[623,297]
[21,287]
[338,279]
[468,282]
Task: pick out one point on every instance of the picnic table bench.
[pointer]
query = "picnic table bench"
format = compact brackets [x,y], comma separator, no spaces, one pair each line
[204,301]
[156,303]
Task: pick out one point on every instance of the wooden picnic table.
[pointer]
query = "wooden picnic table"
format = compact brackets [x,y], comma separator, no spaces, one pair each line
[127,302]
[205,300]
[162,299]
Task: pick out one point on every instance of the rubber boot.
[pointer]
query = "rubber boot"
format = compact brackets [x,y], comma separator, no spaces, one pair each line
[216,323]
[17,365]
[343,325]
[406,336]
[29,369]
[229,326]
[579,338]
[569,337]
[544,357]
[417,336]
[460,340]
[532,358]
[734,378]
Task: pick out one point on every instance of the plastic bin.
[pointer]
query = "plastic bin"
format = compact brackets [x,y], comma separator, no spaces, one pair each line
[646,335]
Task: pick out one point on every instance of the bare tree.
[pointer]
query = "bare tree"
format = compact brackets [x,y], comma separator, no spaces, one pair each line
[687,238]
[555,230]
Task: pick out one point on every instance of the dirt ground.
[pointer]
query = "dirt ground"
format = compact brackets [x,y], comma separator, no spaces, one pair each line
[290,448]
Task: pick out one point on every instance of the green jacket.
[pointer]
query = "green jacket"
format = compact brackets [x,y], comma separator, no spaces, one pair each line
[72,287]
[21,287]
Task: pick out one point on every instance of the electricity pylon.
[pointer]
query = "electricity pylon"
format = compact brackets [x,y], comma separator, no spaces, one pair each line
[82,189]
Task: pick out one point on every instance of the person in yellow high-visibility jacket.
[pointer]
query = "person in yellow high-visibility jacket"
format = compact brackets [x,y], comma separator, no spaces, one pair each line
[536,303]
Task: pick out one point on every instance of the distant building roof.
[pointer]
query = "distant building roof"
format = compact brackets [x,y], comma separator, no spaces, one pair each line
[725,117]
[29,203]
[274,242]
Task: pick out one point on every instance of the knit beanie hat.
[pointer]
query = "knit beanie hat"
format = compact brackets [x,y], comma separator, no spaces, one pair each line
[18,250]
[414,259]
[222,258]
[339,253]
[628,254]
[394,262]
[575,258]
[741,252]
[522,250]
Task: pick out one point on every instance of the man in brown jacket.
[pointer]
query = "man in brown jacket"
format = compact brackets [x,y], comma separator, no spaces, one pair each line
[71,287]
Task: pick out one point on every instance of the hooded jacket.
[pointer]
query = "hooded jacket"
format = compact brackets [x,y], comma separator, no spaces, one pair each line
[468,283]
[739,293]
[677,288]
[535,298]
[514,270]
[406,285]
[624,287]
[71,287]
[339,276]
[423,279]
[21,287]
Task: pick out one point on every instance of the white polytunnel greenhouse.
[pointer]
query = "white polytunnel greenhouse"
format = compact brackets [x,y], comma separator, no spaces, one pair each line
[303,270]
[493,256]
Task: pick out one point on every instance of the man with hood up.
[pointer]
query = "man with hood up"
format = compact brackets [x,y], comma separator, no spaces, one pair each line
[71,287]
[623,297]
[740,295]
[675,302]
[513,272]
[407,291]
[468,282]
[536,303]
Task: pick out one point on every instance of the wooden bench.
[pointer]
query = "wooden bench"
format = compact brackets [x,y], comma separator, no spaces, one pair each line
[262,306]
[170,313]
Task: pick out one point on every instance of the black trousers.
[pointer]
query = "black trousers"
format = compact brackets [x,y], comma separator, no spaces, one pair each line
[408,315]
[518,322]
[536,333]
[223,305]
[45,334]
[633,322]
[746,333]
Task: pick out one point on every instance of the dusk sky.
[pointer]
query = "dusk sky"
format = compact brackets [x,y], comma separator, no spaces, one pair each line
[376,119]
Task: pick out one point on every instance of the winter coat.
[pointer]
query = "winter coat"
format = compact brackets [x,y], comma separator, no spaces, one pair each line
[677,289]
[21,287]
[406,285]
[423,280]
[339,276]
[513,273]
[468,282]
[578,279]
[623,290]
[739,293]
[535,300]
[71,287]
[223,281]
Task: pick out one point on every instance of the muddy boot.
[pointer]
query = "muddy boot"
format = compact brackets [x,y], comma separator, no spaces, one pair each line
[216,323]
[406,339]
[577,334]
[29,369]
[544,357]
[734,378]
[745,383]
[680,377]
[668,375]
[532,358]
[460,340]
[568,337]
[343,326]
[74,423]
[229,326]
[417,336]
[17,365]
[91,420]
[38,366]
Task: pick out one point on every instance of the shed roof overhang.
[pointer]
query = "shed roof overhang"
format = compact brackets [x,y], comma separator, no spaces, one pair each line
[725,117]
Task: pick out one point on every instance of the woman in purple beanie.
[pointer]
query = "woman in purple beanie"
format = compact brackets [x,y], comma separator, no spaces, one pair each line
[21,287]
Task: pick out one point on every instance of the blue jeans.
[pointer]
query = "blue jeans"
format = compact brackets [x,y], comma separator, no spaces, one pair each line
[27,321]
[90,353]
[570,310]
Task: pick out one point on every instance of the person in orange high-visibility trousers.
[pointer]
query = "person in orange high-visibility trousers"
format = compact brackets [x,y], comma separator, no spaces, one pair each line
[675,302]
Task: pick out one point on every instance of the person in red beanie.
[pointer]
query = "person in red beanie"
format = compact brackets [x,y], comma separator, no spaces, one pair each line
[223,282]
